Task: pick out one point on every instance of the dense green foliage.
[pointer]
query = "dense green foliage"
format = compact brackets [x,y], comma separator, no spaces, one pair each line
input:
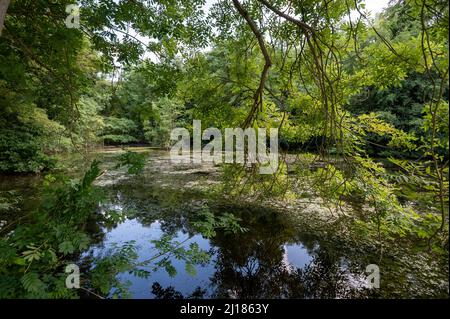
[363,100]
[35,253]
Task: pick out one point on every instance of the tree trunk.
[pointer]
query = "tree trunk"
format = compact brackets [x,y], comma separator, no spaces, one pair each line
[3,7]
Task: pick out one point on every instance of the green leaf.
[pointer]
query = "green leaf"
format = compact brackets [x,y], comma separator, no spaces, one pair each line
[190,269]
[66,247]
[171,270]
[32,283]
[32,254]
[20,261]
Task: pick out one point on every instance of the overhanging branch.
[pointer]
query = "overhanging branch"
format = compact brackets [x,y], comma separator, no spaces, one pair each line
[258,96]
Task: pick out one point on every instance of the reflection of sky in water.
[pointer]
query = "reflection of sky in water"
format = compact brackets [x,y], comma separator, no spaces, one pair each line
[297,255]
[142,235]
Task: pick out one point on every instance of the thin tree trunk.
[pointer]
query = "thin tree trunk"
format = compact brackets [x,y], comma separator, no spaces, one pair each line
[4,4]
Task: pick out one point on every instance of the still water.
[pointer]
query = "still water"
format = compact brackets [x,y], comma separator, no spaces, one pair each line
[282,253]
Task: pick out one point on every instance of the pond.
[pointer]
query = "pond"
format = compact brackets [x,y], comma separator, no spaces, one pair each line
[280,253]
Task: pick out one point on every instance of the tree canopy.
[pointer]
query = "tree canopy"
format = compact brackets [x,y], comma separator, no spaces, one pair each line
[351,90]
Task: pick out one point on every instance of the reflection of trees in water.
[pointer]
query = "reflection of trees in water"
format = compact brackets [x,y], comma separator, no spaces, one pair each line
[326,278]
[148,203]
[250,264]
[170,293]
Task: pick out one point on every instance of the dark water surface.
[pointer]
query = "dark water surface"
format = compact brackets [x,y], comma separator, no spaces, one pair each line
[279,256]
